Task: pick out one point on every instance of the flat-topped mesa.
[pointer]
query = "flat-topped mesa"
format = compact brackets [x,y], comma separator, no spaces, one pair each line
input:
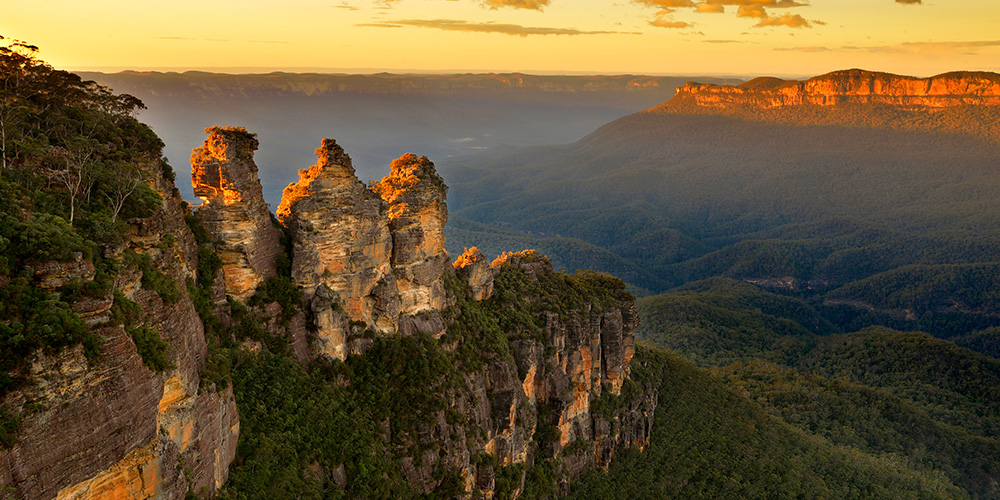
[852,86]
[224,175]
[341,243]
[417,216]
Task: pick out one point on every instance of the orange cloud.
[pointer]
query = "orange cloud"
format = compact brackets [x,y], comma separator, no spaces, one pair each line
[667,4]
[751,11]
[789,20]
[665,20]
[754,9]
[667,23]
[517,4]
[705,7]
[489,27]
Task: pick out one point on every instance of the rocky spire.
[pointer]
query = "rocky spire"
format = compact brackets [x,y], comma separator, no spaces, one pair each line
[224,175]
[341,243]
[415,194]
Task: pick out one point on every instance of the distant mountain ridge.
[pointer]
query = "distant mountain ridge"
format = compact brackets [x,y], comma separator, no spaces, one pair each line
[852,86]
[312,84]
[376,116]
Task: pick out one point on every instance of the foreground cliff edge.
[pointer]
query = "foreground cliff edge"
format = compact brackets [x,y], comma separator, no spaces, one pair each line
[167,307]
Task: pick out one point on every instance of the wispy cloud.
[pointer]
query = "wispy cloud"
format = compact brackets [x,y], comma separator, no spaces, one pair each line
[488,27]
[814,48]
[517,4]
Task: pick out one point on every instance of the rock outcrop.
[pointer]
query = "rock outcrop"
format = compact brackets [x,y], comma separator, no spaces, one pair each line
[417,215]
[341,249]
[224,175]
[550,383]
[473,267]
[111,427]
[364,256]
[560,392]
[847,87]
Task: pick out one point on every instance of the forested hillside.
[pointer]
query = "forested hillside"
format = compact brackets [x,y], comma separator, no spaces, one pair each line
[809,199]
[926,401]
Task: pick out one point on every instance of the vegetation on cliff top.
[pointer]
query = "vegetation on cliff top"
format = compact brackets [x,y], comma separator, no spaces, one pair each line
[76,165]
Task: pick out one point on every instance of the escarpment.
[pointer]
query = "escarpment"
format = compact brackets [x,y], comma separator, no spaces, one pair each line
[847,87]
[224,175]
[137,420]
[965,103]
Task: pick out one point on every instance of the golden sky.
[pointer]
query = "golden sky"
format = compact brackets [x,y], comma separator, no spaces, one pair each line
[716,37]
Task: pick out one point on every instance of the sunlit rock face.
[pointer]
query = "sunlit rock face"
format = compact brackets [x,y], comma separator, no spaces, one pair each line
[224,175]
[417,213]
[849,87]
[473,267]
[341,241]
[110,427]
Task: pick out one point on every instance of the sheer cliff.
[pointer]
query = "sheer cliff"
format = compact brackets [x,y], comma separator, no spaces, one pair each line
[852,86]
[137,419]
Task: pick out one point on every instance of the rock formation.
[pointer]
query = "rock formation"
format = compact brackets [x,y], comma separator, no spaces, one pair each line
[417,215]
[341,244]
[370,262]
[112,427]
[364,256]
[476,271]
[848,87]
[224,175]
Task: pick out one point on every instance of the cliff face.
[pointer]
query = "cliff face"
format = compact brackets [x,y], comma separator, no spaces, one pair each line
[224,175]
[557,393]
[845,87]
[114,428]
[417,215]
[364,256]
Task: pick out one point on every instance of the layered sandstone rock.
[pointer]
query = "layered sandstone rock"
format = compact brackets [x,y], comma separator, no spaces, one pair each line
[473,267]
[849,87]
[224,175]
[341,242]
[417,215]
[110,427]
[550,379]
